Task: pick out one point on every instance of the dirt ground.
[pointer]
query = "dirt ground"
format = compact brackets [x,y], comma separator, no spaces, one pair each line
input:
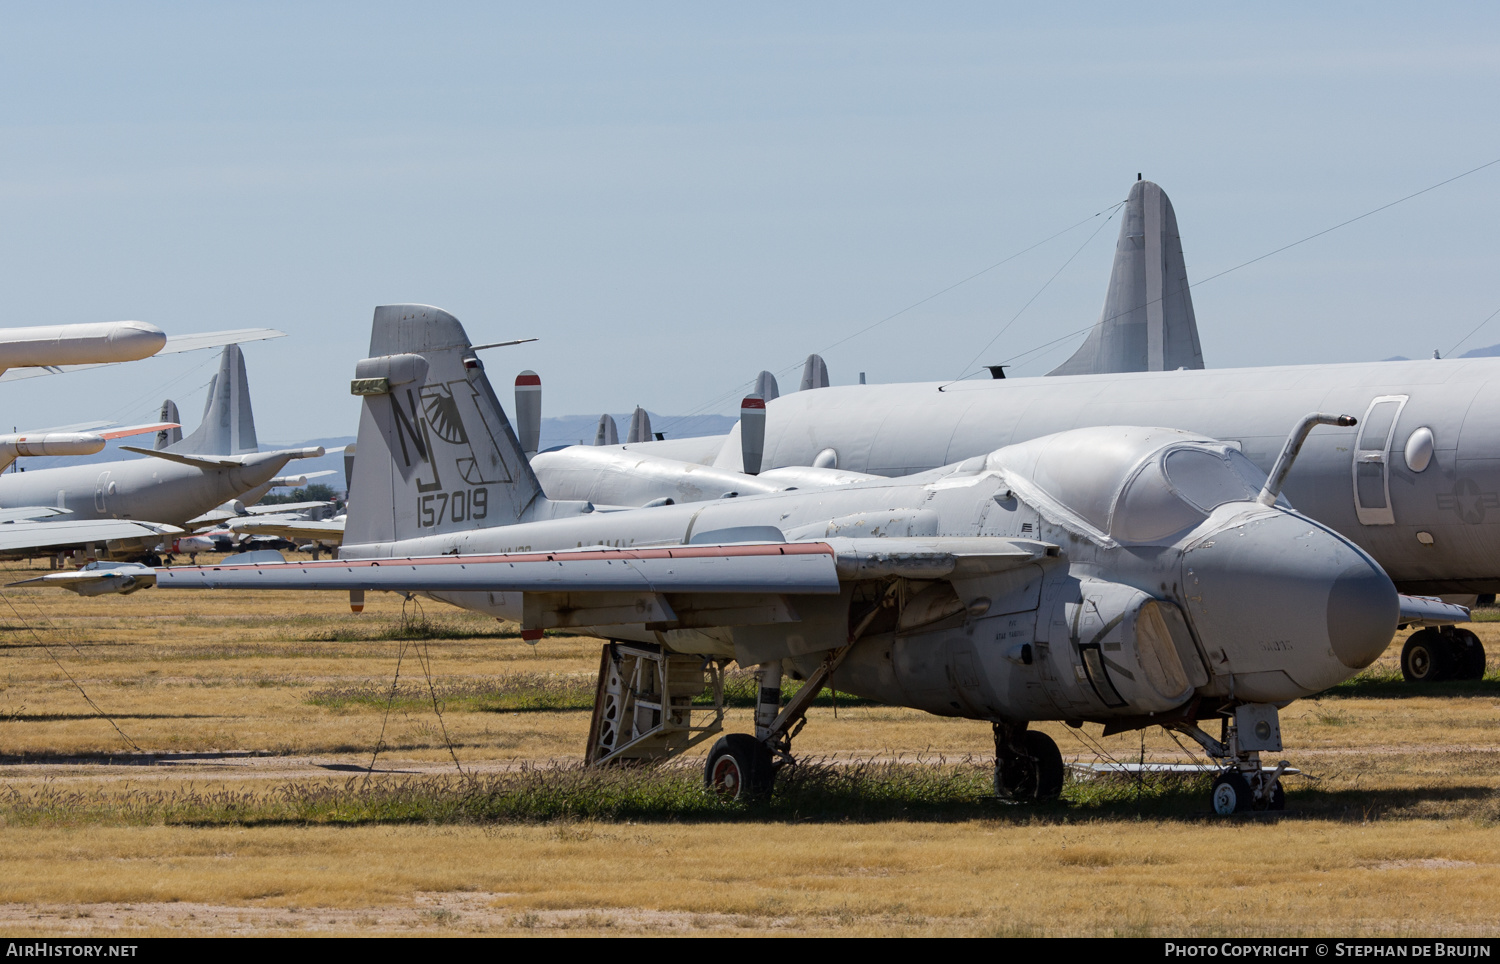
[218,691]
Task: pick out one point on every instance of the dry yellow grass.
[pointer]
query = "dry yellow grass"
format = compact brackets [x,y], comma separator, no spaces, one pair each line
[192,677]
[974,877]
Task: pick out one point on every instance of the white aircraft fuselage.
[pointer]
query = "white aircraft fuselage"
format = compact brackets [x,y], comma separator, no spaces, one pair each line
[148,488]
[1416,483]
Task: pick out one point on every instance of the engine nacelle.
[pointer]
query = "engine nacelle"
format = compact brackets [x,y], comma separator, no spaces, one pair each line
[1047,646]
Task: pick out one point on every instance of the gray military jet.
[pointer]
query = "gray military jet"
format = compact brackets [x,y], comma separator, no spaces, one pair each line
[218,462]
[1122,575]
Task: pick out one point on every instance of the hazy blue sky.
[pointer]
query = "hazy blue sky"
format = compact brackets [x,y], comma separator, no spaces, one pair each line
[673,197]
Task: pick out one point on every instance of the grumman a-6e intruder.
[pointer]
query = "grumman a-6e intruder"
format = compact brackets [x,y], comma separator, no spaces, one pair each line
[1122,575]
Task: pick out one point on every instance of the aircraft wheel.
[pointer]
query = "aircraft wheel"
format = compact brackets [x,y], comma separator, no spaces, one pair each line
[739,768]
[152,560]
[1232,793]
[1035,775]
[1427,657]
[1470,655]
[1277,800]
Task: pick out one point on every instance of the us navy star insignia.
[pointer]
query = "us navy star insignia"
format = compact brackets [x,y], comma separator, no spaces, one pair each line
[1468,502]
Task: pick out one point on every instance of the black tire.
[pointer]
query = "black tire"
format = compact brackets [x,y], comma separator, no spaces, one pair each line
[1428,657]
[739,768]
[1277,801]
[152,560]
[1470,655]
[1035,776]
[1232,794]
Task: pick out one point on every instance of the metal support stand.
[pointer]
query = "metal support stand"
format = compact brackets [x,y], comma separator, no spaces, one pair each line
[643,707]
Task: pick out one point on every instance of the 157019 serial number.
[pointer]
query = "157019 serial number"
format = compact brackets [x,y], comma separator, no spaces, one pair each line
[463,505]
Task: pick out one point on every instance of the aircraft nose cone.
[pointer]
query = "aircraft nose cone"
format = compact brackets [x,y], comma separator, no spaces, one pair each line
[1286,607]
[1362,609]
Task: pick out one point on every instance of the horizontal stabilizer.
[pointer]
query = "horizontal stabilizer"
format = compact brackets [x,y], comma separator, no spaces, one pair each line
[1431,611]
[224,461]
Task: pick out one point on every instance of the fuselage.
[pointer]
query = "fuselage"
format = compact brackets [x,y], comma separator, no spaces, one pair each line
[150,489]
[1416,483]
[1279,606]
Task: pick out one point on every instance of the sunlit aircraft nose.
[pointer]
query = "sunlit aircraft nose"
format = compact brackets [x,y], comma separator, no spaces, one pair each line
[1286,607]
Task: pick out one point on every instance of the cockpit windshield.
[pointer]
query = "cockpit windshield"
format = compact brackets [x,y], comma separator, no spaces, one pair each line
[1208,479]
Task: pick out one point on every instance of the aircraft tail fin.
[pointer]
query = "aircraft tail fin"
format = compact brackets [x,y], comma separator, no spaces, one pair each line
[640,426]
[436,451]
[168,436]
[349,451]
[228,426]
[1147,323]
[608,433]
[814,373]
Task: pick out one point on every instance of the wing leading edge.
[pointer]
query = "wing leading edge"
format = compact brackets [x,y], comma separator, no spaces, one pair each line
[797,568]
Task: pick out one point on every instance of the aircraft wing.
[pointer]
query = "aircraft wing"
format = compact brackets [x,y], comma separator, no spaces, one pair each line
[27,513]
[175,343]
[285,508]
[20,536]
[1431,611]
[327,531]
[791,568]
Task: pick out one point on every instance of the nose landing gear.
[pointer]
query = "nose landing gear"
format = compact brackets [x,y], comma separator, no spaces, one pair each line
[1244,784]
[1236,792]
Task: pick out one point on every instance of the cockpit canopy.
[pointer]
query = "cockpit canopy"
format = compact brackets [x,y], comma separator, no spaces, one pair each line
[1140,485]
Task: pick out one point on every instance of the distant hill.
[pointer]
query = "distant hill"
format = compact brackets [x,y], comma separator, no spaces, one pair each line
[1490,352]
[580,429]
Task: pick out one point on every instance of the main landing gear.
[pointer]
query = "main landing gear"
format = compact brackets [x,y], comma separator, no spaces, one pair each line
[1244,785]
[1028,765]
[1433,655]
[744,767]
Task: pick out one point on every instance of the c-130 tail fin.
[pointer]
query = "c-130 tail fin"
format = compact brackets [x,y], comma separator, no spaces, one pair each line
[436,452]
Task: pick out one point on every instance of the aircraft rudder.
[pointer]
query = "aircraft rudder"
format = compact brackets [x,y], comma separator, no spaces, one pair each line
[168,436]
